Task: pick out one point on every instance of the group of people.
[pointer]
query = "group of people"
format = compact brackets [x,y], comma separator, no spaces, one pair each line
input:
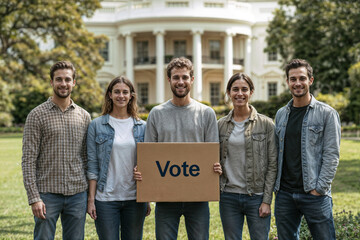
[72,165]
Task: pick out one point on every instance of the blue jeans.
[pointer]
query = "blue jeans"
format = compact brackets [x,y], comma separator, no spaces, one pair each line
[317,210]
[73,214]
[113,216]
[234,207]
[167,217]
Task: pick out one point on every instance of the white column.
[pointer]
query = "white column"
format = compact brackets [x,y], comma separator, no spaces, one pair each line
[242,49]
[197,61]
[160,78]
[129,56]
[228,56]
[120,55]
[247,61]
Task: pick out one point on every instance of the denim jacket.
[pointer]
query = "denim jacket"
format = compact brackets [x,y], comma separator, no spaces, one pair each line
[261,158]
[100,139]
[320,145]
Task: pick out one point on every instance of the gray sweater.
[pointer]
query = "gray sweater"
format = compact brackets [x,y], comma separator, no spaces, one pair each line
[194,122]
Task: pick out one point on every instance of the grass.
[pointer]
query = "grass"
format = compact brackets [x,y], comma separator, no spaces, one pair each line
[16,221]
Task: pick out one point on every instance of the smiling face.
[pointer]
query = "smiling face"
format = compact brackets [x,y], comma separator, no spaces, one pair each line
[120,95]
[299,82]
[63,83]
[240,93]
[180,82]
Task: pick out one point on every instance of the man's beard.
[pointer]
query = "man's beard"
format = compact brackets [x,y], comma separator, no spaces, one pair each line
[57,93]
[173,89]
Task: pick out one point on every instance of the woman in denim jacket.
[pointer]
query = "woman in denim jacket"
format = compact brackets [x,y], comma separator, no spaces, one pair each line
[111,148]
[249,161]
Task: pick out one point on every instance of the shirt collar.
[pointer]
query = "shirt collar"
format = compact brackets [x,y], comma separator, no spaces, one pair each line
[51,104]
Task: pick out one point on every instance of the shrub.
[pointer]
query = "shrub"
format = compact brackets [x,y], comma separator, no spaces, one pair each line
[5,119]
[27,99]
[148,107]
[269,108]
[347,227]
[222,110]
[338,101]
[205,103]
[11,129]
[143,116]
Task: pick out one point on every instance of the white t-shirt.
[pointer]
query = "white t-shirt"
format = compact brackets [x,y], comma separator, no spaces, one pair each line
[120,185]
[236,163]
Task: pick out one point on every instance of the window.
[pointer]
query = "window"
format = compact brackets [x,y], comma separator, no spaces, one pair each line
[143,93]
[213,5]
[272,56]
[142,52]
[215,94]
[179,48]
[214,49]
[272,89]
[177,4]
[105,52]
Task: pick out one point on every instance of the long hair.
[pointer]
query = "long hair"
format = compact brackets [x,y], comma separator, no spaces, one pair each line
[132,105]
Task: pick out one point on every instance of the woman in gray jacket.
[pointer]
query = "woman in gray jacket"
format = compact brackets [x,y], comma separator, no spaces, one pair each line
[249,161]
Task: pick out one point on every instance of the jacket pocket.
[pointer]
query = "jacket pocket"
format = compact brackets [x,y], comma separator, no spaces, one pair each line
[100,141]
[259,144]
[316,133]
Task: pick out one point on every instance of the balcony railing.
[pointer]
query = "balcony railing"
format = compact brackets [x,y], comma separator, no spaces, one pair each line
[144,60]
[238,61]
[168,58]
[212,60]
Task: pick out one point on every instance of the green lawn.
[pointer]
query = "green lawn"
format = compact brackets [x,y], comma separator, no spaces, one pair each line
[16,221]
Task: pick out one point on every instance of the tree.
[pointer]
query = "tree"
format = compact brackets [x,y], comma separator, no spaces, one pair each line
[320,31]
[26,24]
[353,109]
[5,105]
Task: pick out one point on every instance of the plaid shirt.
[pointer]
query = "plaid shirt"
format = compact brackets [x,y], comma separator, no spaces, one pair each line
[54,150]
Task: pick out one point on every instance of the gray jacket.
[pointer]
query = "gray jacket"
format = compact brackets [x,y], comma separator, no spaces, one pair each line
[261,154]
[320,145]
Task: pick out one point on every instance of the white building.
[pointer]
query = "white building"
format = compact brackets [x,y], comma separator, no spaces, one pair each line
[221,37]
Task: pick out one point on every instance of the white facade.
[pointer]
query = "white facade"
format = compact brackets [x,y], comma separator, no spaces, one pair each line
[221,37]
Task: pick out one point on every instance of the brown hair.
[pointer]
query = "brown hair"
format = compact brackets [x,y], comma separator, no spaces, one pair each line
[180,63]
[62,65]
[296,63]
[132,105]
[239,76]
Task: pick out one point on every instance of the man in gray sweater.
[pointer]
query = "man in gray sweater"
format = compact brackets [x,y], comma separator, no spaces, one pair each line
[181,119]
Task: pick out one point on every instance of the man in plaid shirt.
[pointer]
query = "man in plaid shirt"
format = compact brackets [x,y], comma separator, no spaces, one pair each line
[54,159]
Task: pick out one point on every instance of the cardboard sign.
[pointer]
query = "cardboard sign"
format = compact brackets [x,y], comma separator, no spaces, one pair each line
[177,172]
